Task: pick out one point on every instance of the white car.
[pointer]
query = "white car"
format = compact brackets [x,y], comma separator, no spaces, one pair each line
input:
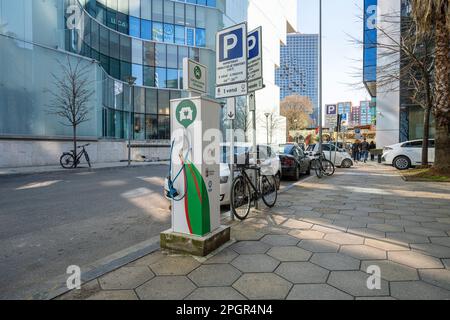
[339,157]
[408,154]
[270,166]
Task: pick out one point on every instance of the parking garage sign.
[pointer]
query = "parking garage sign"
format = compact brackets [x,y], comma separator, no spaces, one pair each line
[231,64]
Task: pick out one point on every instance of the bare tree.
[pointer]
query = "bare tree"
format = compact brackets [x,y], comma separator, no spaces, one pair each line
[71,95]
[271,124]
[407,66]
[243,118]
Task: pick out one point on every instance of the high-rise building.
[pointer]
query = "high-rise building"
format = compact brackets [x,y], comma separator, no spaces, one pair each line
[366,116]
[355,118]
[397,118]
[298,72]
[345,108]
[113,40]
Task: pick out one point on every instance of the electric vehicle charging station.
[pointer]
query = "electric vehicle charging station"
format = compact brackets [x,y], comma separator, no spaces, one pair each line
[194,182]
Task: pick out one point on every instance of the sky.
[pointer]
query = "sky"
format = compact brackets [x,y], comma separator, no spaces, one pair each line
[341,58]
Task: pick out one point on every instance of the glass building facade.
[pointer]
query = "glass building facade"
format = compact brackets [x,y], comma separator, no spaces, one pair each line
[298,72]
[370,46]
[144,39]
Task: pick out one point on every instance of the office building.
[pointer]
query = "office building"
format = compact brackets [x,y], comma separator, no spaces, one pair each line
[116,40]
[298,72]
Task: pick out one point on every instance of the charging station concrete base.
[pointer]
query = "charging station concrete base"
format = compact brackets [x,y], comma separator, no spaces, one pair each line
[194,245]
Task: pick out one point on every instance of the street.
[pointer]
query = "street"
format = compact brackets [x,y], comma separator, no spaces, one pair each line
[51,221]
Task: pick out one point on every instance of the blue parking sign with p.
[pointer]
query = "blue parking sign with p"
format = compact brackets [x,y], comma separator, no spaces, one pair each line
[331,110]
[231,44]
[253,44]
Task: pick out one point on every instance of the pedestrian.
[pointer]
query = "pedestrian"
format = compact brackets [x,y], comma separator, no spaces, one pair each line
[372,148]
[355,151]
[365,150]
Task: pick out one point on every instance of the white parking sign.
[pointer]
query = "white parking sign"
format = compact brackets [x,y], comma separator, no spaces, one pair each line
[231,61]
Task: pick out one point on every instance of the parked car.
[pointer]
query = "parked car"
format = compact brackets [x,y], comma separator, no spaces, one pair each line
[270,165]
[294,162]
[268,158]
[408,154]
[340,157]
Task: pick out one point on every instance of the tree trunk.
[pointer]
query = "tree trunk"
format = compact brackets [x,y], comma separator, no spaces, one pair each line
[442,161]
[426,136]
[442,94]
[75,146]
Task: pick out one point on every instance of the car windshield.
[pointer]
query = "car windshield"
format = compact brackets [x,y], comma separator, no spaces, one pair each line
[286,149]
[225,157]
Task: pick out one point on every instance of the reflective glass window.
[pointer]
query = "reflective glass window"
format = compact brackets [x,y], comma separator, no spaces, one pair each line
[169,33]
[158,33]
[180,34]
[160,55]
[146,29]
[135,27]
[160,77]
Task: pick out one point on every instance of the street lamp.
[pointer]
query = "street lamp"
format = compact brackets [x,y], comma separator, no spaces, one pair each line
[321,83]
[131,81]
[267,124]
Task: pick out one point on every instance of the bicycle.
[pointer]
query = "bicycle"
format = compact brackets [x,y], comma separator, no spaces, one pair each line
[68,161]
[244,192]
[322,166]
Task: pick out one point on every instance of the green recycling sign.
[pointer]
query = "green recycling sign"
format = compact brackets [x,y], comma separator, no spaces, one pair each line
[186,113]
[194,76]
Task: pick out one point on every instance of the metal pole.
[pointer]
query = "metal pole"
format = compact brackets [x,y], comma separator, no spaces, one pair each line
[320,83]
[130,133]
[232,160]
[255,148]
[131,81]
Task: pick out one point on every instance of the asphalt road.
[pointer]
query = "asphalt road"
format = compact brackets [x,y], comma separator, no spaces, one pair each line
[51,221]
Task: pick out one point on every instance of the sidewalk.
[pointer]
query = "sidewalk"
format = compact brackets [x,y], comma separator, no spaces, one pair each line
[5,172]
[316,244]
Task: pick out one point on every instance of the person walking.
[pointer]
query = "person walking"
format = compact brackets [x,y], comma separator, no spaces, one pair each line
[365,146]
[372,147]
[356,151]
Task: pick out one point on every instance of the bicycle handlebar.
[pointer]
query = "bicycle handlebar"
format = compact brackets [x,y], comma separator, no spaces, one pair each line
[84,146]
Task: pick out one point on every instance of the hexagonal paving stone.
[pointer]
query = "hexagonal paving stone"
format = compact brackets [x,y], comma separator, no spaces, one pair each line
[297,224]
[427,232]
[434,250]
[404,238]
[335,261]
[148,260]
[246,235]
[437,277]
[289,254]
[174,266]
[319,246]
[418,290]
[307,234]
[443,241]
[126,278]
[344,238]
[384,245]
[363,252]
[280,240]
[367,233]
[250,247]
[263,286]
[215,294]
[392,271]
[328,230]
[385,227]
[225,256]
[166,288]
[255,263]
[302,272]
[355,284]
[119,295]
[317,292]
[218,275]
[415,260]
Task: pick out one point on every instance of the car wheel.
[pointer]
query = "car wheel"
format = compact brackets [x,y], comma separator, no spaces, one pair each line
[278,180]
[347,163]
[402,163]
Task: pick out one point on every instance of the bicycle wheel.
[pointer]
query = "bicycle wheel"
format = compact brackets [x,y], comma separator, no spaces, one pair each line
[87,159]
[240,198]
[67,161]
[328,168]
[316,165]
[269,190]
